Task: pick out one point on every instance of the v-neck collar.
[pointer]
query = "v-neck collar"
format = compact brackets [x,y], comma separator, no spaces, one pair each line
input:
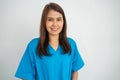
[53,48]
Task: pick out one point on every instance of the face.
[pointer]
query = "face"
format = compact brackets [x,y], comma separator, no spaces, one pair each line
[54,23]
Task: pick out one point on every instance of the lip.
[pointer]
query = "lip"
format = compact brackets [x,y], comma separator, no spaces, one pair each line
[54,29]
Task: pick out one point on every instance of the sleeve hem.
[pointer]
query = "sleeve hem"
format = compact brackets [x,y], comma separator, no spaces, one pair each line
[27,77]
[77,68]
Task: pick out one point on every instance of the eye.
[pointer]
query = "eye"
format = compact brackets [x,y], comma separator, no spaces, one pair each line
[49,19]
[59,19]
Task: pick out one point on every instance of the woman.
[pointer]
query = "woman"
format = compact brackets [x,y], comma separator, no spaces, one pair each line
[52,56]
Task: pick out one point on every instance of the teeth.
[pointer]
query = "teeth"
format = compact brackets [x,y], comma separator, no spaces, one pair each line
[54,29]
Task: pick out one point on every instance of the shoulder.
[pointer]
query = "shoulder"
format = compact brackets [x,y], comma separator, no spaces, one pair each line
[71,40]
[33,42]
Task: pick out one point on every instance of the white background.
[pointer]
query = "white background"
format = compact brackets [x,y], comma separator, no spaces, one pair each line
[93,24]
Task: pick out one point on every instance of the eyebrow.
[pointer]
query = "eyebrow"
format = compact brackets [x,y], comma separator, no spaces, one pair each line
[52,17]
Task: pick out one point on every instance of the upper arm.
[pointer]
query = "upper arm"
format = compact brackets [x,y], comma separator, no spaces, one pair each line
[26,70]
[77,61]
[75,76]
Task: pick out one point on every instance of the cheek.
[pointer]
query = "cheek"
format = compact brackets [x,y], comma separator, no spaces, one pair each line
[48,24]
[61,25]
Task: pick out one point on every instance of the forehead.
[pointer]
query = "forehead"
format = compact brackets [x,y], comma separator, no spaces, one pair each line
[54,14]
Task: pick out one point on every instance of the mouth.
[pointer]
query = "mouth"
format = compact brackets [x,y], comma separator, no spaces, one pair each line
[54,29]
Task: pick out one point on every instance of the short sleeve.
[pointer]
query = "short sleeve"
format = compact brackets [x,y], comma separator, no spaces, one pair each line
[77,62]
[26,68]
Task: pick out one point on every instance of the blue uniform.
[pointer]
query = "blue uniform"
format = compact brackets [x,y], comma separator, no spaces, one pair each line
[59,66]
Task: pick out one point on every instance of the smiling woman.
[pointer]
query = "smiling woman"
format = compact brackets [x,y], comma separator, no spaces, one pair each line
[52,56]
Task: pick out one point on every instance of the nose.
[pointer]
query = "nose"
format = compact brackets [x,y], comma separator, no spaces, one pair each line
[55,23]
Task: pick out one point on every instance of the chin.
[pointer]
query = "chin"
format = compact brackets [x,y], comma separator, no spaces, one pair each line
[54,34]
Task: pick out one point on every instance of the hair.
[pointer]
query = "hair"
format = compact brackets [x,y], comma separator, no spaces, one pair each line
[44,38]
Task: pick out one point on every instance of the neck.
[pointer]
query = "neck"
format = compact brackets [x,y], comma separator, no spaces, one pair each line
[54,39]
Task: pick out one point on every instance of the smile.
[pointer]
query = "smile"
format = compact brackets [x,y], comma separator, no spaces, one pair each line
[54,29]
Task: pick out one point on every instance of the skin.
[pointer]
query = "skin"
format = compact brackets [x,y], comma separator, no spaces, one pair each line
[75,76]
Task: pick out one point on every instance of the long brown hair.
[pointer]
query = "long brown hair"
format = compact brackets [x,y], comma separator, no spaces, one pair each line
[44,39]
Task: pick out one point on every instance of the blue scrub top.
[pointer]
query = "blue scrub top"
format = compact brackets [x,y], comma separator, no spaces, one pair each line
[59,66]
